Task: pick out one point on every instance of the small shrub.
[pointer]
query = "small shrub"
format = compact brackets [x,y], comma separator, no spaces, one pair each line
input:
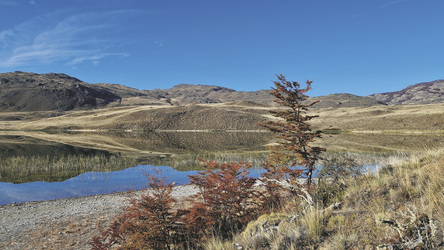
[332,178]
[293,157]
[149,221]
[226,198]
[272,231]
[110,237]
[315,221]
[342,242]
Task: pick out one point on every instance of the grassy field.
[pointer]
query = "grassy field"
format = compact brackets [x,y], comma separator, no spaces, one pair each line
[422,118]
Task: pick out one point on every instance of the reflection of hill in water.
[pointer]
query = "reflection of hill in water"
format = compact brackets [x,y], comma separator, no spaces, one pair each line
[18,145]
[41,156]
[187,142]
[25,158]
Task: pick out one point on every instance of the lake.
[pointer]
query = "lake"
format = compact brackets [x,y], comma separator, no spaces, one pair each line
[42,166]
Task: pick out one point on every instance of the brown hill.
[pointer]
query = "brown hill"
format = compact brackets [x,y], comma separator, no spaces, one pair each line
[195,94]
[227,117]
[183,94]
[22,91]
[421,93]
[344,100]
[190,117]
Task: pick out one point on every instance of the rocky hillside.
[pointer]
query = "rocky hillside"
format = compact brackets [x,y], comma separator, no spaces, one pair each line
[187,94]
[21,91]
[183,94]
[421,93]
[344,100]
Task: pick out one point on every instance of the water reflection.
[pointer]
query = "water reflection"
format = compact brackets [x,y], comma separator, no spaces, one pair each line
[77,164]
[91,183]
[55,157]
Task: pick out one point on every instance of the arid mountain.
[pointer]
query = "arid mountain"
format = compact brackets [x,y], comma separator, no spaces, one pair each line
[21,91]
[183,94]
[421,93]
[187,94]
[344,100]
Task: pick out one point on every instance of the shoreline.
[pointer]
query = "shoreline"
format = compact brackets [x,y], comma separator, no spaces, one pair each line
[39,222]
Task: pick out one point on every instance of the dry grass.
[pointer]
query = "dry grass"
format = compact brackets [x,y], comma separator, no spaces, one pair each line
[379,142]
[402,207]
[223,116]
[383,118]
[191,117]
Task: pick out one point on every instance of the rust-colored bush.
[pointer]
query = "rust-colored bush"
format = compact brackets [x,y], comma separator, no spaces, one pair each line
[150,221]
[226,198]
[293,157]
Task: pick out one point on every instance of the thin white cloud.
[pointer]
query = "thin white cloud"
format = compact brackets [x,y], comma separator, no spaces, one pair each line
[393,3]
[71,40]
[95,59]
[159,43]
[9,2]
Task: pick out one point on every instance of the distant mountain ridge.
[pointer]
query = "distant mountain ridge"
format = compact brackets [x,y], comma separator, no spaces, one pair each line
[421,93]
[193,94]
[23,91]
[344,100]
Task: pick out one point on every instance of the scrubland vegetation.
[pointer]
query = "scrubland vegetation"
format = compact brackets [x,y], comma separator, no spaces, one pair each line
[349,203]
[399,206]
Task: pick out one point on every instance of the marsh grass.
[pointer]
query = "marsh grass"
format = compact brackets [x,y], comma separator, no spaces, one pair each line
[365,161]
[20,169]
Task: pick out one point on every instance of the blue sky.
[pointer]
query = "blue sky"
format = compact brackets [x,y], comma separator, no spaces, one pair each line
[345,46]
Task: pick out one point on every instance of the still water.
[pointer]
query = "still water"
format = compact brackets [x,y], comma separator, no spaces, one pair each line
[36,166]
[91,183]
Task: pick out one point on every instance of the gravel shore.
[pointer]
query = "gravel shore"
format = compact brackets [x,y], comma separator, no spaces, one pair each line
[66,223]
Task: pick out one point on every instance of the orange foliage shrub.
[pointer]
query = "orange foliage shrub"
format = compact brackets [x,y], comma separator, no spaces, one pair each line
[226,201]
[224,204]
[150,221]
[293,158]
